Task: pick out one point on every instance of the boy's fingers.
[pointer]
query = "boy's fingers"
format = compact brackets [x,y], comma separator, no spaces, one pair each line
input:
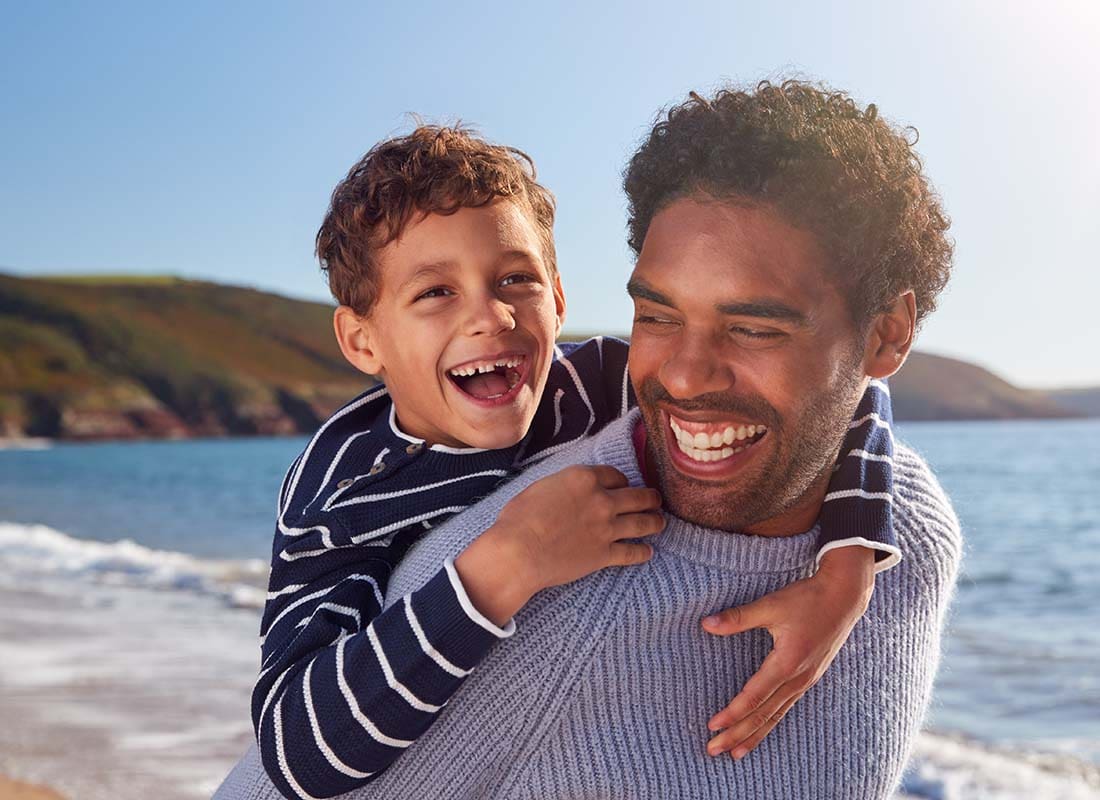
[754,695]
[636,526]
[609,477]
[739,618]
[757,723]
[743,749]
[625,554]
[633,499]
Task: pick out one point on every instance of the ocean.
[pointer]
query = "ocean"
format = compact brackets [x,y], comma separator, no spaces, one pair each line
[132,577]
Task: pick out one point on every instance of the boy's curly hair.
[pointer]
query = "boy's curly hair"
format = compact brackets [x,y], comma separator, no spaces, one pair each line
[433,170]
[826,165]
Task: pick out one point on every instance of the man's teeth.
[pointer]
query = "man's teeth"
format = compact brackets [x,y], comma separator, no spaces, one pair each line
[716,443]
[486,366]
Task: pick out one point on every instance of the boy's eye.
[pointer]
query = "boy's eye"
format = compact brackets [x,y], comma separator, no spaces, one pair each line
[517,277]
[435,291]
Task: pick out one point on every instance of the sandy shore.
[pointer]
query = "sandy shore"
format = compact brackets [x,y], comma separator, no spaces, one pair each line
[17,790]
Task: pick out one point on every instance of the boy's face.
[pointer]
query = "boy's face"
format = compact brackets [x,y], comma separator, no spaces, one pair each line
[464,326]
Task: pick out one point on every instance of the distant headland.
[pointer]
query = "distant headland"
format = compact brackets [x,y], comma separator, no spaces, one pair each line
[125,357]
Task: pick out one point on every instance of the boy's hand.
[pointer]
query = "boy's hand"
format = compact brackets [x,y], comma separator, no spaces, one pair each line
[809,621]
[560,528]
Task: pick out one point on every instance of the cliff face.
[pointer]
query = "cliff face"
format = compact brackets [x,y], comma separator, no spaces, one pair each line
[162,357]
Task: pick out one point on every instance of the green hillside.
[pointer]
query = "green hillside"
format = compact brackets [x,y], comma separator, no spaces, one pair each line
[109,357]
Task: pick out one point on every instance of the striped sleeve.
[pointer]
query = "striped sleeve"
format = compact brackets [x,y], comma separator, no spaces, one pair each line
[345,686]
[858,505]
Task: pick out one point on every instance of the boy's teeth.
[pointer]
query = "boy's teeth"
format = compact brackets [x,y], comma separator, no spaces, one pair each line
[486,366]
[714,443]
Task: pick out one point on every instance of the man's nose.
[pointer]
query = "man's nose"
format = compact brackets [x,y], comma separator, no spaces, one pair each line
[695,368]
[489,315]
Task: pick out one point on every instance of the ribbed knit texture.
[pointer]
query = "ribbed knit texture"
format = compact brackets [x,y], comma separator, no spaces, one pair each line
[605,689]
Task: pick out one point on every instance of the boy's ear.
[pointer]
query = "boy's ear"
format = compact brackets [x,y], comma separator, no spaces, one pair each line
[891,337]
[354,337]
[559,301]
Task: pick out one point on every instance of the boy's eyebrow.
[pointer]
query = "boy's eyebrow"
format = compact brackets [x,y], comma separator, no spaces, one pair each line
[765,309]
[432,268]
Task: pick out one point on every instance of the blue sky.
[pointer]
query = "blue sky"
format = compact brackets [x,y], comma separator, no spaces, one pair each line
[203,139]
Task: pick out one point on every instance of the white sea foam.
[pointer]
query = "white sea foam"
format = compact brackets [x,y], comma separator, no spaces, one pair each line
[951,767]
[37,550]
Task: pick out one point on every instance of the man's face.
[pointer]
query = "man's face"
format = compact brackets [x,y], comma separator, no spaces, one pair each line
[746,364]
[464,326]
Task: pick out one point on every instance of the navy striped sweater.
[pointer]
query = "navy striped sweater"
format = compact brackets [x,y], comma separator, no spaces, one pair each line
[336,668]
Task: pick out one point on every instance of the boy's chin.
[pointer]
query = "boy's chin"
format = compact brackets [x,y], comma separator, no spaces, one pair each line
[497,437]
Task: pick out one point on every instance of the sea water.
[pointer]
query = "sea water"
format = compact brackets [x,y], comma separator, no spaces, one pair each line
[119,543]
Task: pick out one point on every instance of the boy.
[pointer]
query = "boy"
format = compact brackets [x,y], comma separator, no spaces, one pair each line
[439,248]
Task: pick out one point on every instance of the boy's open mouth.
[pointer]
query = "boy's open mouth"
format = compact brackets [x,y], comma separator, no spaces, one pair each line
[490,379]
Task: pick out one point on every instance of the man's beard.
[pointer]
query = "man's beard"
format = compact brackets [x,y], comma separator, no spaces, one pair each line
[800,458]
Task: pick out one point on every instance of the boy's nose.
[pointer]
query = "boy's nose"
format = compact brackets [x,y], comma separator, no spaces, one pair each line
[490,317]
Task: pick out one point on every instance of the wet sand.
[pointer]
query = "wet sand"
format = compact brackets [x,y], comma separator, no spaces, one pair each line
[17,790]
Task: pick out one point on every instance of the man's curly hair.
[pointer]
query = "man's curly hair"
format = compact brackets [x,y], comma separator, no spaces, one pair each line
[433,170]
[825,164]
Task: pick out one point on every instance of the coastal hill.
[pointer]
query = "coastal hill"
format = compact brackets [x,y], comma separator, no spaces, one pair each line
[105,357]
[161,357]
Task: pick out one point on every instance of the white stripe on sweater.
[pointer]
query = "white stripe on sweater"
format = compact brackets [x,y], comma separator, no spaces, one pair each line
[881,386]
[893,559]
[332,467]
[353,704]
[338,415]
[846,493]
[874,417]
[427,647]
[347,611]
[471,609]
[425,487]
[333,760]
[277,722]
[322,593]
[863,454]
[391,679]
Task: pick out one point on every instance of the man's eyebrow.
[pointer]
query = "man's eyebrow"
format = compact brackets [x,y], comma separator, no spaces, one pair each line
[765,309]
[640,291]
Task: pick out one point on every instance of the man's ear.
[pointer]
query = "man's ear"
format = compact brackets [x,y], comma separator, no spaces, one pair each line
[354,336]
[559,301]
[891,337]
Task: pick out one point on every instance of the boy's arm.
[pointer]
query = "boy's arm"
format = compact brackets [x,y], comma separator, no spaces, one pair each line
[345,687]
[811,619]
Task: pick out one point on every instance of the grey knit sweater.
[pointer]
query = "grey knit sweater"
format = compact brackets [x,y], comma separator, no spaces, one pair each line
[605,689]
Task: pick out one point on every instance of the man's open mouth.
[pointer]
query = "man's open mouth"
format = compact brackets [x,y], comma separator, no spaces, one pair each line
[489,379]
[714,441]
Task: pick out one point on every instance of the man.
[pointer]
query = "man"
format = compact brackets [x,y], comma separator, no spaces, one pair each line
[788,247]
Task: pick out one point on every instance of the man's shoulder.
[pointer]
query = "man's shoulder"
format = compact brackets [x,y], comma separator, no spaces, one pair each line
[928,530]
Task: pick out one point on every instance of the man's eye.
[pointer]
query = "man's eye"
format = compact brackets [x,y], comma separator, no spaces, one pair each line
[643,319]
[518,277]
[753,333]
[435,291]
